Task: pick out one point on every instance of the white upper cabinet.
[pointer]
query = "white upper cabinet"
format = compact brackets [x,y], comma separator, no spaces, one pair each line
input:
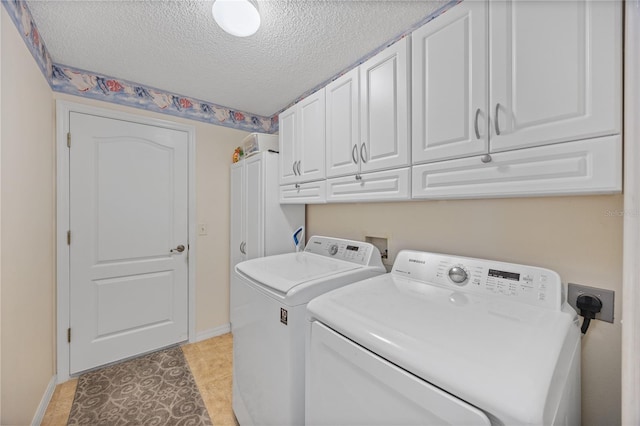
[302,140]
[555,71]
[384,108]
[343,125]
[287,140]
[502,75]
[449,85]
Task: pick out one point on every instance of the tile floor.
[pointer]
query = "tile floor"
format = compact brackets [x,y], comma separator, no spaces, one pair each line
[210,362]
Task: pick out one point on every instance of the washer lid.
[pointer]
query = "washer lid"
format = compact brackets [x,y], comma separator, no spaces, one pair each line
[285,271]
[499,356]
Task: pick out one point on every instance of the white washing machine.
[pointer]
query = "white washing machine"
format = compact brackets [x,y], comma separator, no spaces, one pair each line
[444,340]
[269,296]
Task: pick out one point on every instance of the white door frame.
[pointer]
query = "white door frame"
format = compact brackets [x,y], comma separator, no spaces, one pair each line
[63,108]
[631,265]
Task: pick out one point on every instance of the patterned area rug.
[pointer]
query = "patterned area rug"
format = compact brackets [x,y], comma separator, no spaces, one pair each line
[155,389]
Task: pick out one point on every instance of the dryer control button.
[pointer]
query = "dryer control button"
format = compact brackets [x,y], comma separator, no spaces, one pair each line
[458,275]
[333,249]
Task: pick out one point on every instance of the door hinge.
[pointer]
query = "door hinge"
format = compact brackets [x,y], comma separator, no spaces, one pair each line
[68,335]
[69,139]
[68,238]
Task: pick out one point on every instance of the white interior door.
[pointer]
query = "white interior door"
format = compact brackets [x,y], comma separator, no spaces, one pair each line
[128,210]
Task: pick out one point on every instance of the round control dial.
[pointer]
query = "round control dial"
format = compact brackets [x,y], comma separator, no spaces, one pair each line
[458,275]
[333,249]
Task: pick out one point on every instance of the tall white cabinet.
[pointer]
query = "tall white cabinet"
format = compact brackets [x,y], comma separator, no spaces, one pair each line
[260,225]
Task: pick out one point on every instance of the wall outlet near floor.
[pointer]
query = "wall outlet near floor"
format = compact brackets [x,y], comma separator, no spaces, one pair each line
[605,296]
[202,229]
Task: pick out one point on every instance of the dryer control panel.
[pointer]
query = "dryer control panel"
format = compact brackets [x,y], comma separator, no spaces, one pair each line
[348,250]
[527,284]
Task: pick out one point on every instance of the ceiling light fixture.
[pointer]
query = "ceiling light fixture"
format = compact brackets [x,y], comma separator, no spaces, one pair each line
[237,17]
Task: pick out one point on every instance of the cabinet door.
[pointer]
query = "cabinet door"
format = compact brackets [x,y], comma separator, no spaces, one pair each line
[254,207]
[287,141]
[311,126]
[343,125]
[449,85]
[590,166]
[384,102]
[237,217]
[555,71]
[304,193]
[387,185]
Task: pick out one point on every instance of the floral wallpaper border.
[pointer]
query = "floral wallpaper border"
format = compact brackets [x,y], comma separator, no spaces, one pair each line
[23,20]
[84,83]
[78,82]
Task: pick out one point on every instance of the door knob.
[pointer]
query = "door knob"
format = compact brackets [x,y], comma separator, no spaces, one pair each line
[179,249]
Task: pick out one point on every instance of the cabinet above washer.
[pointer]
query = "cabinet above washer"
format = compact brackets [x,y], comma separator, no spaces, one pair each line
[504,75]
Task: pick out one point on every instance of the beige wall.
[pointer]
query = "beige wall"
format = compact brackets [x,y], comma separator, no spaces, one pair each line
[27,181]
[214,150]
[28,258]
[579,237]
[576,236]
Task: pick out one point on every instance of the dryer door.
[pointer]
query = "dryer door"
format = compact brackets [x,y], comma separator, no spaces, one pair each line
[348,385]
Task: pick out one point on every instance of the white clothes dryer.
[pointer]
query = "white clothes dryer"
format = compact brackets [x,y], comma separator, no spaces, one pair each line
[444,340]
[269,296]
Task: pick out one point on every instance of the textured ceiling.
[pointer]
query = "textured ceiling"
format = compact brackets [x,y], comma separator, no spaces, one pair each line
[176,45]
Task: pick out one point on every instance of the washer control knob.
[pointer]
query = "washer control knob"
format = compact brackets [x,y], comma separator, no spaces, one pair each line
[333,249]
[458,275]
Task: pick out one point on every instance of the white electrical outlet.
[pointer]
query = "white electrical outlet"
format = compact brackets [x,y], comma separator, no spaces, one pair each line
[202,229]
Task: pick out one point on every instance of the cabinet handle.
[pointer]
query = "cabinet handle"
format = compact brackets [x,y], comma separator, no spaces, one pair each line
[485,158]
[242,248]
[354,153]
[297,186]
[298,167]
[496,119]
[294,168]
[475,124]
[363,153]
[358,177]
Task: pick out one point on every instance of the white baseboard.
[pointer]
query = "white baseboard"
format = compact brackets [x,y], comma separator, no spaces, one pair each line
[44,402]
[213,332]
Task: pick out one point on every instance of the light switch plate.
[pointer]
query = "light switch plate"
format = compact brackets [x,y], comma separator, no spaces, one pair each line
[202,229]
[605,296]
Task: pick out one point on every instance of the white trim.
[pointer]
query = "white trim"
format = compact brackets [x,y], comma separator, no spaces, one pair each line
[213,332]
[192,234]
[63,109]
[44,402]
[0,207]
[631,267]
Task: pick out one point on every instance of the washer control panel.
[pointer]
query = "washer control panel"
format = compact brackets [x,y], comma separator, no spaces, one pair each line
[348,250]
[522,283]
